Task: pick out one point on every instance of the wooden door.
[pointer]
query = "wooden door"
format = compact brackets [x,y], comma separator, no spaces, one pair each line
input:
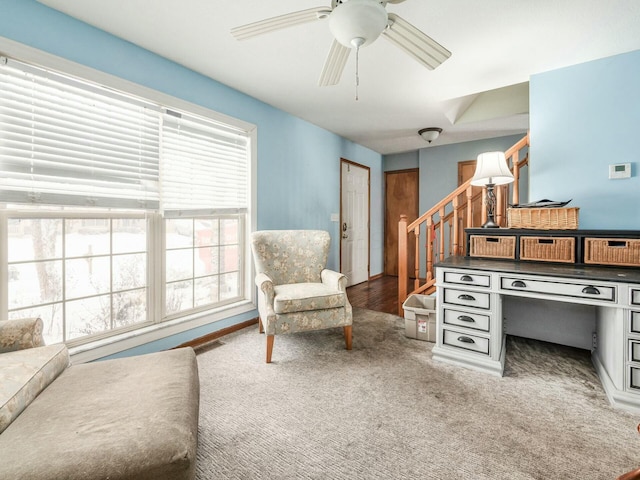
[466,169]
[401,198]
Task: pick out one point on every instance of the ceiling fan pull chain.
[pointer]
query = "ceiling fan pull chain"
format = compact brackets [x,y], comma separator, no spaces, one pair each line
[357,69]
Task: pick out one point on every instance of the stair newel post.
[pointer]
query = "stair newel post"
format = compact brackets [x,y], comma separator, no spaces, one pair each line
[416,267]
[403,260]
[441,214]
[455,227]
[429,248]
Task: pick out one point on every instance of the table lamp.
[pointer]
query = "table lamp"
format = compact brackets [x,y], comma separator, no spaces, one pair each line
[491,170]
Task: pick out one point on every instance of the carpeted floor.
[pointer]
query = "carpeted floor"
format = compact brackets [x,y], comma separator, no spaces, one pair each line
[385,410]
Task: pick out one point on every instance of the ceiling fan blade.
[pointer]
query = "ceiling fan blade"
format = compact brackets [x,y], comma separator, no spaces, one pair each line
[395,1]
[414,42]
[282,21]
[334,64]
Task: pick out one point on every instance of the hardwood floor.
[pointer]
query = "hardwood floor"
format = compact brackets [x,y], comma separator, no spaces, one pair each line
[380,294]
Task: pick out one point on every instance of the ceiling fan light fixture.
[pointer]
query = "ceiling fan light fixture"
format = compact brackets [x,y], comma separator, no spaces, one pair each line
[430,133]
[358,19]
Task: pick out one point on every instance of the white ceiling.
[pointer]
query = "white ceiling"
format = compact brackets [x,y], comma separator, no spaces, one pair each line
[495,44]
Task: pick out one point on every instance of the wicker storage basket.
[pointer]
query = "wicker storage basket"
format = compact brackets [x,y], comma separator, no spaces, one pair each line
[548,249]
[493,247]
[543,218]
[612,251]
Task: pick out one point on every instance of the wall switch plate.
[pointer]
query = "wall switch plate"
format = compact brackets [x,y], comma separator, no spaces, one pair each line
[620,170]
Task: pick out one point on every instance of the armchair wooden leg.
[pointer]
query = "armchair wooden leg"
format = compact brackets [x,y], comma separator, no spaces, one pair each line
[269,347]
[633,475]
[347,336]
[260,325]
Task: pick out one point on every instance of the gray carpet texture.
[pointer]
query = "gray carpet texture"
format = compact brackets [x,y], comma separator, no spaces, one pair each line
[386,410]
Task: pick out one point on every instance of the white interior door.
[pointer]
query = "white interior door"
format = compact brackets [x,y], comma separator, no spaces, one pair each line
[354,225]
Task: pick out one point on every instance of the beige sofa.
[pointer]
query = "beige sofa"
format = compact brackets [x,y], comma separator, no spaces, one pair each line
[129,418]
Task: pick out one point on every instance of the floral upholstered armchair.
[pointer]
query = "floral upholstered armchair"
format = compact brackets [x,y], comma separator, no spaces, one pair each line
[296,292]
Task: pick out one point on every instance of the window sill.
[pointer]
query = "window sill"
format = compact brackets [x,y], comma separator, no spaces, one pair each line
[115,344]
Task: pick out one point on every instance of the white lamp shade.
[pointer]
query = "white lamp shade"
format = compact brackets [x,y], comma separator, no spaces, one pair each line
[491,168]
[355,19]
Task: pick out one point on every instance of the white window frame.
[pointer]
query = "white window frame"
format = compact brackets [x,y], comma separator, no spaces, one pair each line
[242,239]
[152,270]
[161,328]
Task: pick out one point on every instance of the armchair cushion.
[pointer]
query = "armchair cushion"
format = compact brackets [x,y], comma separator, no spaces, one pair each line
[303,297]
[26,373]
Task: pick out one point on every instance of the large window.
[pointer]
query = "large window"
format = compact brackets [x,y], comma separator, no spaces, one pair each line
[204,262]
[116,211]
[83,276]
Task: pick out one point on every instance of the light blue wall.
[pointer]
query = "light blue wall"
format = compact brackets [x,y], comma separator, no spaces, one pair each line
[401,161]
[584,118]
[439,166]
[298,163]
[438,170]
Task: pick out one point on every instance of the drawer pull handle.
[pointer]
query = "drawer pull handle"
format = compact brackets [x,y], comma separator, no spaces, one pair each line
[591,290]
[617,243]
[463,339]
[466,278]
[464,296]
[519,284]
[466,318]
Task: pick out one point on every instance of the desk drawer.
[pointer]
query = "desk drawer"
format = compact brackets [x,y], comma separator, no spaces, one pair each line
[464,297]
[560,289]
[635,322]
[634,351]
[634,378]
[635,296]
[466,319]
[466,341]
[475,279]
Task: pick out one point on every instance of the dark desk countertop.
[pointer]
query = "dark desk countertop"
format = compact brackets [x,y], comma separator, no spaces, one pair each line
[556,233]
[600,273]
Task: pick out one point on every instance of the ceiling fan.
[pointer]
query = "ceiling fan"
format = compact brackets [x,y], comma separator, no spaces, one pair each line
[355,24]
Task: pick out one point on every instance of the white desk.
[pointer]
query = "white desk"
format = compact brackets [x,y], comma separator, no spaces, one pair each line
[470,330]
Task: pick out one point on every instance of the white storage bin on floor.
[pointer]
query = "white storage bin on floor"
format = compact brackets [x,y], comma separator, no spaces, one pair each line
[420,317]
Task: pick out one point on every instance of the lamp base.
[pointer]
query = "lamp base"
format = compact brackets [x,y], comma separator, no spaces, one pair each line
[490,223]
[490,201]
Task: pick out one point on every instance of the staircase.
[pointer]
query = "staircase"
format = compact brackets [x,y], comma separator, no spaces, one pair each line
[442,226]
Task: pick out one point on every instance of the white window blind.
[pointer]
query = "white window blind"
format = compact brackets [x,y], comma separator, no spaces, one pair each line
[204,165]
[65,141]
